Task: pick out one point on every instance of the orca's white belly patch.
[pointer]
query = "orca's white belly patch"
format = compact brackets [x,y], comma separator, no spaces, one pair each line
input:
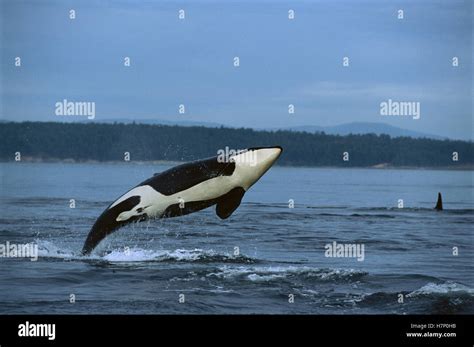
[154,204]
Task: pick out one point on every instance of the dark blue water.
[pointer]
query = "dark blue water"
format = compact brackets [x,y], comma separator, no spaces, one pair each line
[145,267]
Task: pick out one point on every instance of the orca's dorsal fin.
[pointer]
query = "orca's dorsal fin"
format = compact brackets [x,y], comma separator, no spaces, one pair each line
[439,203]
[229,202]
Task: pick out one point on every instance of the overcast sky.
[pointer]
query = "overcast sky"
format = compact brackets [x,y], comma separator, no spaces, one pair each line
[282,61]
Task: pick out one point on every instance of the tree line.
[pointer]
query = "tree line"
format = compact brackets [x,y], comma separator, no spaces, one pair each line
[109,142]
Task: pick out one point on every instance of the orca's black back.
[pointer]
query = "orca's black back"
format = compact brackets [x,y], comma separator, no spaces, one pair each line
[185,176]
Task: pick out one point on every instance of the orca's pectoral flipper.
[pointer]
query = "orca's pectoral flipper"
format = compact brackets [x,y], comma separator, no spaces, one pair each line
[439,203]
[229,202]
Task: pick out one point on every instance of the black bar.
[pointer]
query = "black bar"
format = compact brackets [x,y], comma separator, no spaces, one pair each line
[320,330]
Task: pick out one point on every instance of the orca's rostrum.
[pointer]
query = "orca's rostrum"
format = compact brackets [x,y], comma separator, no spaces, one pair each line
[186,189]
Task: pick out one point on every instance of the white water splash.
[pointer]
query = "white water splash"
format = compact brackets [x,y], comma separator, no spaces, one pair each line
[269,273]
[47,249]
[443,288]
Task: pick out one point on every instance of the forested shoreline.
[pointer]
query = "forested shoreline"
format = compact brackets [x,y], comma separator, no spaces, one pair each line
[50,141]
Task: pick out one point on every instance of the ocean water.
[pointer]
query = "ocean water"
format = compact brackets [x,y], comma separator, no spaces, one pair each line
[267,258]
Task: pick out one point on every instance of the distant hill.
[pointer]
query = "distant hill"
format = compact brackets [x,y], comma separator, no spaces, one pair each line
[365,128]
[146,142]
[342,129]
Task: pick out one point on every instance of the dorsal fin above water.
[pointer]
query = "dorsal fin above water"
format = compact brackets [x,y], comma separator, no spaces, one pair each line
[439,203]
[229,202]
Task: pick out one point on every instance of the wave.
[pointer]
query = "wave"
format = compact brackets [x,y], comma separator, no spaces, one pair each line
[367,215]
[432,298]
[178,255]
[416,209]
[446,288]
[363,215]
[47,249]
[430,290]
[271,273]
[389,209]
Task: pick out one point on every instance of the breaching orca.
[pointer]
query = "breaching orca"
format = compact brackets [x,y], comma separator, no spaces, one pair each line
[187,188]
[439,203]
